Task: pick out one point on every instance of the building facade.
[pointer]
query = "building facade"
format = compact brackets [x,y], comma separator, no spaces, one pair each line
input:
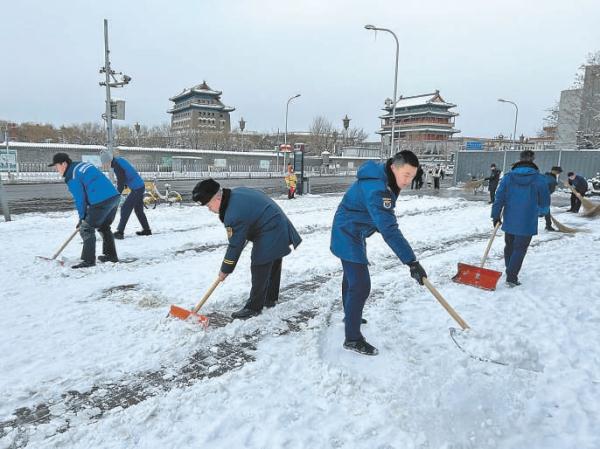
[200,109]
[423,124]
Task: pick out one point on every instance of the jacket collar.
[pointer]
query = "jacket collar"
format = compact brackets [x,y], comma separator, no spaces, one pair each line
[527,164]
[225,196]
[391,179]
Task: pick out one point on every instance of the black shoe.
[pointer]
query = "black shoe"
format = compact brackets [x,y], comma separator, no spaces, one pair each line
[104,258]
[245,313]
[84,264]
[550,229]
[118,235]
[512,284]
[144,232]
[361,346]
[268,305]
[362,320]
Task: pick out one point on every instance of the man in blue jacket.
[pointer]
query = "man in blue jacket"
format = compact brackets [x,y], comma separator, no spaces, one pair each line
[523,196]
[581,186]
[127,176]
[96,200]
[552,180]
[250,215]
[368,207]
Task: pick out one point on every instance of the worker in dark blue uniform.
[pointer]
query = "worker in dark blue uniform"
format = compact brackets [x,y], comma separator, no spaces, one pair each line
[581,186]
[522,196]
[368,207]
[552,180]
[96,200]
[127,176]
[493,180]
[250,215]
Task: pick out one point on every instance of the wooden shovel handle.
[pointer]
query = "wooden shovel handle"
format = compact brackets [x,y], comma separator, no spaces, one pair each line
[60,250]
[206,296]
[462,323]
[487,250]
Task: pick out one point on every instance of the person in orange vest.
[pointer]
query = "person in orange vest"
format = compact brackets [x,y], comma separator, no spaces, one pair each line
[290,181]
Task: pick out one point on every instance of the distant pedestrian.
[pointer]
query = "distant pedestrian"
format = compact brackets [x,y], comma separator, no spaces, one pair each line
[493,180]
[581,186]
[127,176]
[522,197]
[419,178]
[552,180]
[96,200]
[291,181]
[437,173]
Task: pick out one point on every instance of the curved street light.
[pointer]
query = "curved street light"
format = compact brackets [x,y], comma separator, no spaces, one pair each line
[287,106]
[374,28]
[502,100]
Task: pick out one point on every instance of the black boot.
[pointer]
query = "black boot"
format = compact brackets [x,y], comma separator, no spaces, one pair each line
[84,264]
[550,229]
[244,313]
[118,235]
[361,346]
[144,232]
[105,258]
[109,250]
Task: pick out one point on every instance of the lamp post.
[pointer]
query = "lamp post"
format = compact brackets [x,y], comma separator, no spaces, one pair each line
[242,127]
[374,28]
[346,123]
[501,100]
[137,127]
[287,106]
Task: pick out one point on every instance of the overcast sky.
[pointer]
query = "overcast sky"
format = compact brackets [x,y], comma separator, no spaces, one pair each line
[261,52]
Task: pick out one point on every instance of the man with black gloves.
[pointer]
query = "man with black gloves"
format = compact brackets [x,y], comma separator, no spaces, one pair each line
[127,176]
[366,208]
[581,186]
[552,180]
[250,215]
[493,180]
[523,196]
[97,202]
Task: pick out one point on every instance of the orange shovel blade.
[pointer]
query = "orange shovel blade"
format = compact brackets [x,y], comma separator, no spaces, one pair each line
[477,276]
[184,314]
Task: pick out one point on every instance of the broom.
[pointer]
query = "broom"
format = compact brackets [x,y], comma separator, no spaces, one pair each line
[588,205]
[562,228]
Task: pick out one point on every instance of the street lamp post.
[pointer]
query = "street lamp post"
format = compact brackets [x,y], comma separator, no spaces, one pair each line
[287,106]
[374,28]
[501,100]
[242,127]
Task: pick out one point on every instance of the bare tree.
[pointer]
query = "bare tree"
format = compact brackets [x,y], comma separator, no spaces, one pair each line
[592,58]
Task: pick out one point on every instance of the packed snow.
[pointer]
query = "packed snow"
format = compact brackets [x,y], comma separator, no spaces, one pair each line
[92,358]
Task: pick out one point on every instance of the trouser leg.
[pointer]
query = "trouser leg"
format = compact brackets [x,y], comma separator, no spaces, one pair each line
[493,195]
[274,282]
[508,248]
[356,291]
[126,209]
[108,240]
[260,285]
[88,235]
[520,245]
[138,207]
[548,219]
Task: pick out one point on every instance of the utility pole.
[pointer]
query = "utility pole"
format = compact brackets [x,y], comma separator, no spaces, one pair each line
[3,200]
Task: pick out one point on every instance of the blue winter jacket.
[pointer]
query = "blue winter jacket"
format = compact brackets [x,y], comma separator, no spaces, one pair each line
[552,182]
[88,185]
[524,196]
[126,175]
[368,207]
[250,215]
[580,184]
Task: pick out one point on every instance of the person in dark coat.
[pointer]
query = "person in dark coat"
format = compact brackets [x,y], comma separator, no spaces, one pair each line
[493,179]
[127,176]
[366,208]
[250,215]
[581,186]
[552,180]
[96,200]
[419,178]
[522,196]
[437,174]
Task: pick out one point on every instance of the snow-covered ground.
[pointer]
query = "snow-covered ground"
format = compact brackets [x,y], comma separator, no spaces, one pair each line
[89,359]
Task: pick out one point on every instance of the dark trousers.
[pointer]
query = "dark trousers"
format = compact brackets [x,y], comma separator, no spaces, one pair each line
[99,216]
[134,201]
[493,193]
[548,219]
[514,254]
[575,203]
[436,183]
[265,284]
[356,286]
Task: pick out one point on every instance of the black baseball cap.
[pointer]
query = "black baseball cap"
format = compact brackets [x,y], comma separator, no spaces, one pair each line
[59,158]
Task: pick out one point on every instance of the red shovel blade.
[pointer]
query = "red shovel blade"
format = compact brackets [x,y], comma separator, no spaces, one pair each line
[184,314]
[477,276]
[60,262]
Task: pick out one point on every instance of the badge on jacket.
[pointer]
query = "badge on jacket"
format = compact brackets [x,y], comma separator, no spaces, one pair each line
[229,230]
[387,203]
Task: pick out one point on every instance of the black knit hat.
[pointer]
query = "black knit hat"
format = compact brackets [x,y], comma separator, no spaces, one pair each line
[59,158]
[205,190]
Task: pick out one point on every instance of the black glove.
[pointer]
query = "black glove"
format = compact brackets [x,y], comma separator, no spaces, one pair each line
[496,221]
[417,272]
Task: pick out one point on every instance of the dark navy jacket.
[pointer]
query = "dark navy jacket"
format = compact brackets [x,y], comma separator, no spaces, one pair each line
[493,179]
[250,215]
[126,175]
[552,182]
[88,185]
[368,207]
[580,184]
[524,196]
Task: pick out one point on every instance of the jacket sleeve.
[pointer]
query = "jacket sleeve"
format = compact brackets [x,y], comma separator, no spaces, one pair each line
[236,234]
[120,174]
[386,223]
[500,200]
[543,198]
[78,192]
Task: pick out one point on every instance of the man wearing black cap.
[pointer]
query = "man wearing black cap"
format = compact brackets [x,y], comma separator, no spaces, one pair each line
[581,186]
[493,179]
[552,180]
[250,215]
[96,200]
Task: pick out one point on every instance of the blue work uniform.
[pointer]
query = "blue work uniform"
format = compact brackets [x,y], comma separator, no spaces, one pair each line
[128,176]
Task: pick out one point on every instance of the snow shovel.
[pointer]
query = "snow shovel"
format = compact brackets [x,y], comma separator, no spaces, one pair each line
[60,250]
[184,314]
[462,323]
[478,276]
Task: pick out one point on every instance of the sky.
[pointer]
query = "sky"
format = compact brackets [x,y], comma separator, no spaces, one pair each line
[261,52]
